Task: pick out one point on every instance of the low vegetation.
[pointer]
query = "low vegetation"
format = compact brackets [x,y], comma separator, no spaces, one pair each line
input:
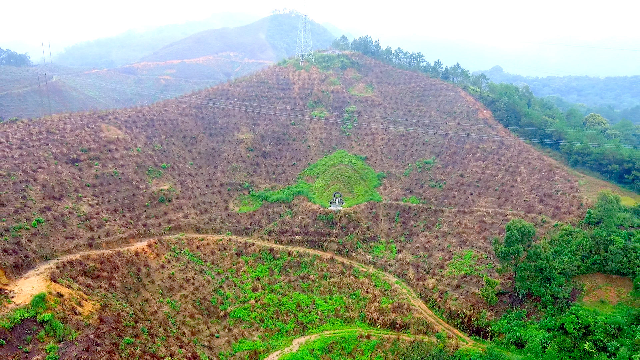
[339,172]
[227,299]
[38,321]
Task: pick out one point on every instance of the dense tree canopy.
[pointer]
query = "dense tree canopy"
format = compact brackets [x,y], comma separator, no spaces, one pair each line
[615,97]
[12,58]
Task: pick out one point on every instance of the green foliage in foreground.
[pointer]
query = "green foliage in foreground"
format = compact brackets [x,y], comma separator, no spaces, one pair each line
[339,172]
[255,296]
[354,345]
[466,263]
[248,203]
[578,333]
[41,311]
[350,345]
[608,242]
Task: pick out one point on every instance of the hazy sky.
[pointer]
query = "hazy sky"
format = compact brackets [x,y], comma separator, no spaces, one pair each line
[543,37]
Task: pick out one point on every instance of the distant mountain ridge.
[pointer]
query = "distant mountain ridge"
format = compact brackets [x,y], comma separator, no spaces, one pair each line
[272,38]
[602,95]
[196,62]
[131,46]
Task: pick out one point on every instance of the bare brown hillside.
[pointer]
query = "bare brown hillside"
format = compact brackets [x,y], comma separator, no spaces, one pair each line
[100,179]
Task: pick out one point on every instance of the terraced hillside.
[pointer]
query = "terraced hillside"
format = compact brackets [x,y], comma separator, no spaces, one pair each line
[451,177]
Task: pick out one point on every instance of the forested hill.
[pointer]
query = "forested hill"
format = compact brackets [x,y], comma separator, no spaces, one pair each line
[616,97]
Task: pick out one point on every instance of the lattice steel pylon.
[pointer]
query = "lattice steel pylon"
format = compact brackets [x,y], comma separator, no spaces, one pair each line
[304,49]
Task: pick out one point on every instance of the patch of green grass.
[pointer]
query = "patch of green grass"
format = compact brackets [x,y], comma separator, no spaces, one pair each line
[367,91]
[412,200]
[328,62]
[384,249]
[628,201]
[319,113]
[602,306]
[339,172]
[349,119]
[465,263]
[420,165]
[318,108]
[323,62]
[347,345]
[153,173]
[345,173]
[248,203]
[39,309]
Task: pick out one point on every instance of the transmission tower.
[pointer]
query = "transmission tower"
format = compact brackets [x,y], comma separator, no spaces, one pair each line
[304,50]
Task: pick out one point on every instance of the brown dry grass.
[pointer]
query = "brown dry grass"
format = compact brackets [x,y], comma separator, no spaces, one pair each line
[93,189]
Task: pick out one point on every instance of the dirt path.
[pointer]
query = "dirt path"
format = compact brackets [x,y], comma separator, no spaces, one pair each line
[295,346]
[438,323]
[37,280]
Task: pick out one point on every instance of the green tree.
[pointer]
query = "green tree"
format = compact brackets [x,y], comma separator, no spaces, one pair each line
[341,43]
[595,121]
[517,240]
[480,81]
[574,117]
[12,58]
[367,46]
[437,68]
[606,211]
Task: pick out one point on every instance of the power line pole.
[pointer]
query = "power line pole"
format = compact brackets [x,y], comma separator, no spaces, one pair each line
[304,48]
[46,84]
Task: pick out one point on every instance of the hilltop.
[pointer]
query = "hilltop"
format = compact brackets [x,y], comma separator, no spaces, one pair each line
[272,38]
[129,47]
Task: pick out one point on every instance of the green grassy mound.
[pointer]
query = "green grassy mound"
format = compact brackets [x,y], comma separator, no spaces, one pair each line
[339,172]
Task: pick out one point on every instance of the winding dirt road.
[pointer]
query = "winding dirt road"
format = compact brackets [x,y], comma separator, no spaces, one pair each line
[38,280]
[331,333]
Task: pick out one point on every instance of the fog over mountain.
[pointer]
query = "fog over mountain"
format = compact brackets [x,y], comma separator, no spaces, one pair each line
[547,39]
